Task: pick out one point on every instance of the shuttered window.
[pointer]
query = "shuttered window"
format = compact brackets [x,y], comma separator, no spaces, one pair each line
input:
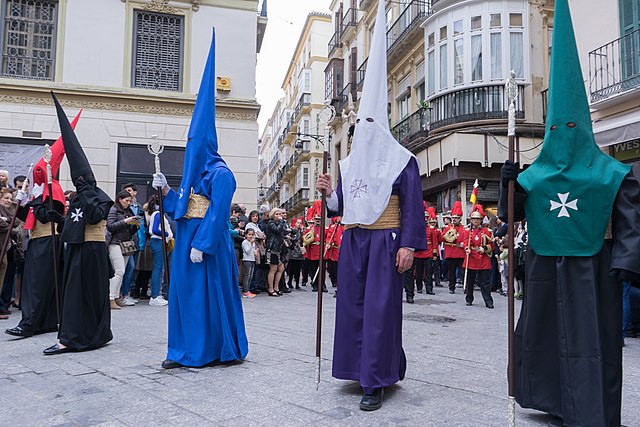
[28,37]
[158,43]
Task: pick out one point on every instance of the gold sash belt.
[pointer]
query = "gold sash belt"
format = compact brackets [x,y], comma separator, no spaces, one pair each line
[95,232]
[390,217]
[41,230]
[197,207]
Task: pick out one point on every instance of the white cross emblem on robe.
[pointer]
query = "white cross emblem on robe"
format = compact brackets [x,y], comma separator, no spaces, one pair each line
[357,187]
[75,216]
[563,205]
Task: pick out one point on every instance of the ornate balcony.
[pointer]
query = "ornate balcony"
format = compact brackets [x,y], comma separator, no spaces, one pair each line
[305,101]
[473,104]
[343,97]
[615,67]
[334,43]
[348,24]
[299,199]
[407,26]
[274,160]
[362,69]
[412,128]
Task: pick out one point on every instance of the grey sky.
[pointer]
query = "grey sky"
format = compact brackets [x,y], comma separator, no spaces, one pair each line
[286,18]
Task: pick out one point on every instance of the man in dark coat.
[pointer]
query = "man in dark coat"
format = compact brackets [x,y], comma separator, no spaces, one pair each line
[568,340]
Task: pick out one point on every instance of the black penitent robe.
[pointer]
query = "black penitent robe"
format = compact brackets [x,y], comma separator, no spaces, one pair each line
[568,338]
[38,294]
[86,316]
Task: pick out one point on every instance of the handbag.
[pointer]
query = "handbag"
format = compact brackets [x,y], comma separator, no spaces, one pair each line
[128,247]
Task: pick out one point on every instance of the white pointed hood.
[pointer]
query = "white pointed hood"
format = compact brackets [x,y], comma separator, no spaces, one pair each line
[376,158]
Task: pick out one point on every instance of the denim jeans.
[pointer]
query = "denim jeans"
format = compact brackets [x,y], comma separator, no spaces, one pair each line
[248,267]
[128,273]
[158,267]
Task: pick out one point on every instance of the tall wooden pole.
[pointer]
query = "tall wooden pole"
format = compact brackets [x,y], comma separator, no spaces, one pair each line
[328,114]
[54,250]
[512,93]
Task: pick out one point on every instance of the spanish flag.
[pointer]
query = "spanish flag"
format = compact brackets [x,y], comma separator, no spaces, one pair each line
[474,193]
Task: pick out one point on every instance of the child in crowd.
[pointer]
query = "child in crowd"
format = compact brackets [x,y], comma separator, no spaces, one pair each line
[248,261]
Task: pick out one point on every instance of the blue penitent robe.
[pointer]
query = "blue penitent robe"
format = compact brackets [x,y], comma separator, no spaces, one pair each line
[206,321]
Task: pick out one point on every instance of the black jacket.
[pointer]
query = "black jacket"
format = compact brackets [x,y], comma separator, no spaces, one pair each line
[118,230]
[276,230]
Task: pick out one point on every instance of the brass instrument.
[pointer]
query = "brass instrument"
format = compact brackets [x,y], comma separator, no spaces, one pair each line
[308,237]
[486,241]
[450,236]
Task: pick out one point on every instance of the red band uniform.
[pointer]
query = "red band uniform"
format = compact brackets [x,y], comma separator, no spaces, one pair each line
[479,240]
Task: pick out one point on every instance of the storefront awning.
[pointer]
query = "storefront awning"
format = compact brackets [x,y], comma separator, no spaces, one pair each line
[617,129]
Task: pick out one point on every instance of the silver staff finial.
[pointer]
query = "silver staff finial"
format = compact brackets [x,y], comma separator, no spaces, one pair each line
[511,88]
[156,148]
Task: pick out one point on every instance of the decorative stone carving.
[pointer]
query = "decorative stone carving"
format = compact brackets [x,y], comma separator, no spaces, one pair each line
[161,6]
[144,108]
[195,5]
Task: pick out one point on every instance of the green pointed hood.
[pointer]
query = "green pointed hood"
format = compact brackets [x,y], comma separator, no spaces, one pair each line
[572,184]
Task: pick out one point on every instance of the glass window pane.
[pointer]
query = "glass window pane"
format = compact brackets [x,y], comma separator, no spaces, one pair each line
[443,67]
[457,28]
[496,55]
[516,54]
[476,23]
[476,58]
[443,33]
[496,20]
[431,40]
[515,19]
[431,72]
[458,62]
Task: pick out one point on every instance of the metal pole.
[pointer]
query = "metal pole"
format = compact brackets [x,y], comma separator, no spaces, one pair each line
[512,92]
[54,250]
[156,148]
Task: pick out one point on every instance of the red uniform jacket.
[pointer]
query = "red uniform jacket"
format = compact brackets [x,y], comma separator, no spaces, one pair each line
[313,249]
[480,237]
[333,241]
[434,238]
[450,249]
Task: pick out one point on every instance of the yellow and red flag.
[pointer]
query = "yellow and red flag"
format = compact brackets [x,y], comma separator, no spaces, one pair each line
[474,193]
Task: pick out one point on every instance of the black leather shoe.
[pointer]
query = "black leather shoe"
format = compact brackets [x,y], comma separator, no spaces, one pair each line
[452,291]
[431,293]
[314,289]
[286,291]
[438,285]
[409,299]
[18,332]
[56,349]
[469,303]
[489,305]
[371,402]
[170,364]
[420,291]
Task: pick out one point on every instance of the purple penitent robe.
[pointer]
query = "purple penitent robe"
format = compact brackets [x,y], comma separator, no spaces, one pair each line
[368,336]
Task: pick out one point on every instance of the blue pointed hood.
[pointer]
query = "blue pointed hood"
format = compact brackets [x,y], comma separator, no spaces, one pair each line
[201,155]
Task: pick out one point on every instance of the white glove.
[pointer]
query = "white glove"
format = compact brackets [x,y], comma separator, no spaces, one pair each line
[21,197]
[196,255]
[159,181]
[37,190]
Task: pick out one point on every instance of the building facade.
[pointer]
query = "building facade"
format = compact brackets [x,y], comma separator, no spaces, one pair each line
[610,59]
[134,67]
[294,145]
[447,63]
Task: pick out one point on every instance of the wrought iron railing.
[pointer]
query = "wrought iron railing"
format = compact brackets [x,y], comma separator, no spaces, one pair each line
[615,67]
[362,69]
[305,101]
[471,104]
[414,126]
[412,16]
[335,43]
[274,160]
[348,20]
[343,97]
[301,196]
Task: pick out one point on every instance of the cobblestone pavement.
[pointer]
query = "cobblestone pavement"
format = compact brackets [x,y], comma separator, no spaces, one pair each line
[456,373]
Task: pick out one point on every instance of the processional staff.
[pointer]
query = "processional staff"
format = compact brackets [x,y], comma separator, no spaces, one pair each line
[54,250]
[511,89]
[156,148]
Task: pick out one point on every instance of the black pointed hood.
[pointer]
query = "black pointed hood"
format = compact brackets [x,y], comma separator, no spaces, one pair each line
[78,162]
